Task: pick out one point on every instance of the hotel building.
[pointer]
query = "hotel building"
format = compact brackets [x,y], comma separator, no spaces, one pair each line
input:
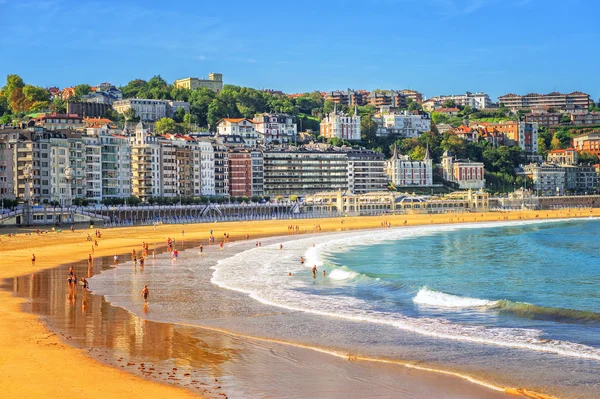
[558,101]
[342,126]
[214,82]
[403,171]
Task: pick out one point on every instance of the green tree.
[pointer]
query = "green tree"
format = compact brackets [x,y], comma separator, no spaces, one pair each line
[555,144]
[449,104]
[438,117]
[368,128]
[130,116]
[179,115]
[418,153]
[59,106]
[82,89]
[165,125]
[133,88]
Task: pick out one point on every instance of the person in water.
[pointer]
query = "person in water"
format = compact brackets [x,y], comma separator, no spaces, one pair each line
[145,293]
[302,259]
[324,273]
[314,271]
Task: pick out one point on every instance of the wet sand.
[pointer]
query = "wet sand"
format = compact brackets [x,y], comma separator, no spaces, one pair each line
[112,336]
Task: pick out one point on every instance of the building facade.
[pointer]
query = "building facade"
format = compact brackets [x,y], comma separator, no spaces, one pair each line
[403,171]
[558,101]
[473,100]
[544,119]
[145,109]
[341,126]
[591,118]
[588,142]
[563,157]
[304,170]
[276,127]
[548,179]
[214,82]
[240,172]
[468,174]
[366,171]
[402,123]
[242,127]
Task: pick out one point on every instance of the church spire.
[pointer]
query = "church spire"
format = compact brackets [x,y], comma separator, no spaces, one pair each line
[427,157]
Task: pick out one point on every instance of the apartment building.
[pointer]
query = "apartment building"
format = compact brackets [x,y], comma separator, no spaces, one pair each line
[146,109]
[214,82]
[413,95]
[304,170]
[523,134]
[558,101]
[402,123]
[221,173]
[403,171]
[56,121]
[340,125]
[240,172]
[349,98]
[468,174]
[278,128]
[242,127]
[387,99]
[543,119]
[563,157]
[548,179]
[588,142]
[591,118]
[366,171]
[473,100]
[145,164]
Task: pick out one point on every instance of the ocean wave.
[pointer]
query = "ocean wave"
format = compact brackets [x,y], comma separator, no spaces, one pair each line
[425,296]
[536,312]
[343,273]
[270,284]
[429,297]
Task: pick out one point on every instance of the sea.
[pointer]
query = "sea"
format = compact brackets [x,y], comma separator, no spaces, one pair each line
[508,304]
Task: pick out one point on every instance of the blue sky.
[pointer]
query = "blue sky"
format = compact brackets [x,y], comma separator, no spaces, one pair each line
[434,46]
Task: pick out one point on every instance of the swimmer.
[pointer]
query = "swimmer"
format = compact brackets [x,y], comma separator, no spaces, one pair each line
[301,259]
[280,246]
[145,293]
[290,273]
[314,271]
[324,273]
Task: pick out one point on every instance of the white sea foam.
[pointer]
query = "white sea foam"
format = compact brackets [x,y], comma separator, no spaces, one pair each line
[427,297]
[341,274]
[262,273]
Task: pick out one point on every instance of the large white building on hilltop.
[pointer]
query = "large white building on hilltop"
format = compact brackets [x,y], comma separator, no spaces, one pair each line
[403,171]
[342,126]
[402,123]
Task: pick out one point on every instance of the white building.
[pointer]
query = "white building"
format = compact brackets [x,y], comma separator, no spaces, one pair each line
[276,127]
[466,173]
[402,123]
[342,126]
[145,164]
[403,171]
[242,127]
[145,109]
[548,179]
[207,167]
[366,171]
[474,100]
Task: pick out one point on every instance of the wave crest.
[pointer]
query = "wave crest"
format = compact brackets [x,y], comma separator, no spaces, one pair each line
[439,299]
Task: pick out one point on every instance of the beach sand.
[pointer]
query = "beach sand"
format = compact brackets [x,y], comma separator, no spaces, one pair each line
[34,362]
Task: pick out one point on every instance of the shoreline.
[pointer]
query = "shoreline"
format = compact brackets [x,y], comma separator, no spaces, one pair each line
[73,249]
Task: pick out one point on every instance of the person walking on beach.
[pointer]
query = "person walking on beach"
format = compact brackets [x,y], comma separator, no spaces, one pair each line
[145,293]
[280,246]
[116,259]
[32,259]
[201,249]
[90,259]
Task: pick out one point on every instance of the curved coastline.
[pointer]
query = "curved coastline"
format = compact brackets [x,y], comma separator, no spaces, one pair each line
[19,255]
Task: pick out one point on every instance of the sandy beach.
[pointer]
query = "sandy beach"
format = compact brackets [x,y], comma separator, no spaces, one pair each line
[35,362]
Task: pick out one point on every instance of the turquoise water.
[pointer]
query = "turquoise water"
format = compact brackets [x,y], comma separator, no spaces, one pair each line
[543,277]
